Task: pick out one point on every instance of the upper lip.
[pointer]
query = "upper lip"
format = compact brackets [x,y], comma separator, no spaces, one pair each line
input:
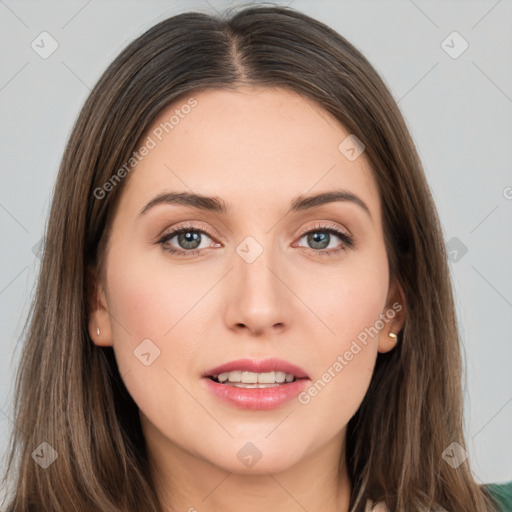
[258,366]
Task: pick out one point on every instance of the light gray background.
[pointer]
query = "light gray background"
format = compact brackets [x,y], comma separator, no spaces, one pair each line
[459,111]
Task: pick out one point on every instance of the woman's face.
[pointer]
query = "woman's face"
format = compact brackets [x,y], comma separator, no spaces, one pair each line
[265,279]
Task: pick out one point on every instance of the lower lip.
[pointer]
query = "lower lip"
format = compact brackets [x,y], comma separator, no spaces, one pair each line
[261,399]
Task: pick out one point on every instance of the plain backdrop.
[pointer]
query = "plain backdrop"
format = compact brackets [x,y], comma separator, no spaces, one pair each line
[454,89]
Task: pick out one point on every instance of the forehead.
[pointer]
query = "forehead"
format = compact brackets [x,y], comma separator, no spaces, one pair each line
[250,146]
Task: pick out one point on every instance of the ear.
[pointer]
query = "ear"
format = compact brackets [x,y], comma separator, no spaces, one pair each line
[99,317]
[394,317]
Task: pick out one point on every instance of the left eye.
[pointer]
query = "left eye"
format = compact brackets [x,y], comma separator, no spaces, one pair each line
[321,239]
[188,239]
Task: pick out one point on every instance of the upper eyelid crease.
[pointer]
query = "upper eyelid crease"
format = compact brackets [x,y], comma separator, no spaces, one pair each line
[218,205]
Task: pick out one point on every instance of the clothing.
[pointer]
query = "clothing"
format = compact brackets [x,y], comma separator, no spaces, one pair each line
[502,493]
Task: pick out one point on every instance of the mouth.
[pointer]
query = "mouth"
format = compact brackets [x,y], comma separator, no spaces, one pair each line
[252,373]
[246,379]
[258,385]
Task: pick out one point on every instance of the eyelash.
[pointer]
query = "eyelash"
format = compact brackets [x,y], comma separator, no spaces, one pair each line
[348,240]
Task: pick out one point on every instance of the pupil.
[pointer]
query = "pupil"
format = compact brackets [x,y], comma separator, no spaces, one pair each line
[318,240]
[188,238]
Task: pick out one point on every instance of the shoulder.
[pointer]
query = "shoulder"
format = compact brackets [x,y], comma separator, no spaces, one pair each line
[503,495]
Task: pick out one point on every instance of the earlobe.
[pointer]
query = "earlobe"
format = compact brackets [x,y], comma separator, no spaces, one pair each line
[395,313]
[99,325]
[100,328]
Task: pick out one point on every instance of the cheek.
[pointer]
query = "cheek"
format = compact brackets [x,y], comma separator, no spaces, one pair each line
[350,303]
[149,304]
[150,300]
[351,297]
[152,332]
[344,362]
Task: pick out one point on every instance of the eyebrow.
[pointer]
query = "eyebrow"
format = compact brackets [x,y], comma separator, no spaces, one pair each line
[218,205]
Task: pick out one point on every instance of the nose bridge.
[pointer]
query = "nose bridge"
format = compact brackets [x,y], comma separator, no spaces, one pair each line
[258,295]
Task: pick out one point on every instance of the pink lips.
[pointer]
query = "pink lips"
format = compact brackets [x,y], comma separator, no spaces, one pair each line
[257,398]
[251,365]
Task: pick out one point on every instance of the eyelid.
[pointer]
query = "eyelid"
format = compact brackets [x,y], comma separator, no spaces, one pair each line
[326,226]
[188,225]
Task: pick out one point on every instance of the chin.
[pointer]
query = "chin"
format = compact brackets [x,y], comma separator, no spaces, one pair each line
[254,458]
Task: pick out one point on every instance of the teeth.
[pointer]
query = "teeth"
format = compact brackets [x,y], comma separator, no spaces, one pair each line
[267,378]
[254,378]
[233,376]
[281,376]
[249,378]
[252,386]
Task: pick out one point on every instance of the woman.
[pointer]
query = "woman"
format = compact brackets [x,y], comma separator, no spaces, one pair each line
[244,300]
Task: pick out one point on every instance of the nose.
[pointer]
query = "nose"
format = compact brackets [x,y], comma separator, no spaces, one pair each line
[258,298]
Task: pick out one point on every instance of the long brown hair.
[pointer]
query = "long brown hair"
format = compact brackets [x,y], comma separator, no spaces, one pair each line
[69,393]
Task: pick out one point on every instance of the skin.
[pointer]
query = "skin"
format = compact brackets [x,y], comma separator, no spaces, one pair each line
[257,149]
